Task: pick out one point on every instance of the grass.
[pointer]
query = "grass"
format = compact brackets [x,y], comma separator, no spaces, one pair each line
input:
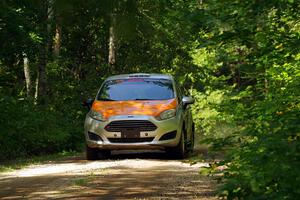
[194,159]
[84,181]
[20,163]
[203,154]
[81,182]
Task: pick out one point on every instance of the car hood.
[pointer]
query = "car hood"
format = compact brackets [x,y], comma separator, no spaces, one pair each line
[136,107]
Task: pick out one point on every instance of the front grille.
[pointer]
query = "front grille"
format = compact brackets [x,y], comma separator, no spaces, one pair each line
[141,125]
[130,140]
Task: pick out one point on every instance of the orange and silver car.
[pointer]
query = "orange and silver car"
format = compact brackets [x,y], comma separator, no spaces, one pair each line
[139,111]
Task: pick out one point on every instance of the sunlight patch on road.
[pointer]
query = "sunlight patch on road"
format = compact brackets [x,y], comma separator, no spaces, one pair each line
[64,168]
[83,168]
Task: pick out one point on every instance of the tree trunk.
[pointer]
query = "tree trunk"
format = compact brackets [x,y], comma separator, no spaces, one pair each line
[27,75]
[57,41]
[36,89]
[112,43]
[43,50]
[42,83]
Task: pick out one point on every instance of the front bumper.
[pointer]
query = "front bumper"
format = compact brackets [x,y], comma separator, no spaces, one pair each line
[147,139]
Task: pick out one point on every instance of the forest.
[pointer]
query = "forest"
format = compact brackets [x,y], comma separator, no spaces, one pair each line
[239,59]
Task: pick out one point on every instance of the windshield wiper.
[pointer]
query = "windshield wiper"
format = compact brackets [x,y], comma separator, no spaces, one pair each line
[143,99]
[106,99]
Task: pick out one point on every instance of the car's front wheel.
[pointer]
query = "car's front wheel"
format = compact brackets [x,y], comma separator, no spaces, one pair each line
[91,153]
[95,154]
[192,141]
[178,151]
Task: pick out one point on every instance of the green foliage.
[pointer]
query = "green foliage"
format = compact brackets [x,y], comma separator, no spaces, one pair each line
[239,59]
[28,130]
[252,85]
[208,115]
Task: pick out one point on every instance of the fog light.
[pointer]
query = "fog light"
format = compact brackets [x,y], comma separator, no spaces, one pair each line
[93,136]
[169,136]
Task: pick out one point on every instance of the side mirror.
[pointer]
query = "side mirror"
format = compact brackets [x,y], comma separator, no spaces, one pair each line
[187,100]
[88,103]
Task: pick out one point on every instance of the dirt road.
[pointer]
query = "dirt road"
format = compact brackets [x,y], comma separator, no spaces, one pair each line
[123,176]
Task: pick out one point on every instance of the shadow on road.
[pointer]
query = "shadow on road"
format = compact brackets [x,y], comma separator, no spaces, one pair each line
[161,155]
[125,175]
[143,154]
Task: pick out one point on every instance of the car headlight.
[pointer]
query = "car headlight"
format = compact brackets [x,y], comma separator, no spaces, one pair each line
[96,115]
[167,114]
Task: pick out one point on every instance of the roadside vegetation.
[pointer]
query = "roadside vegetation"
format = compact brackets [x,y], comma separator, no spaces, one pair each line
[239,59]
[19,163]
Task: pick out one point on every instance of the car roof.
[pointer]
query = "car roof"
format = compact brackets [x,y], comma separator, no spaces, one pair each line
[140,75]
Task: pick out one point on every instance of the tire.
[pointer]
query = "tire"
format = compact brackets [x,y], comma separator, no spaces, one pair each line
[104,154]
[91,153]
[95,154]
[192,142]
[179,151]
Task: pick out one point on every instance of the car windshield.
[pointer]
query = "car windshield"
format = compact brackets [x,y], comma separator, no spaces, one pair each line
[136,89]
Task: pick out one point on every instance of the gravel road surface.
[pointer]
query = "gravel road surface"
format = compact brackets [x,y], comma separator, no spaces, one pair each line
[126,175]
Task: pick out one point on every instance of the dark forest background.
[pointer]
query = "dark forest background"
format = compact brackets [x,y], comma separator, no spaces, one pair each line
[240,59]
